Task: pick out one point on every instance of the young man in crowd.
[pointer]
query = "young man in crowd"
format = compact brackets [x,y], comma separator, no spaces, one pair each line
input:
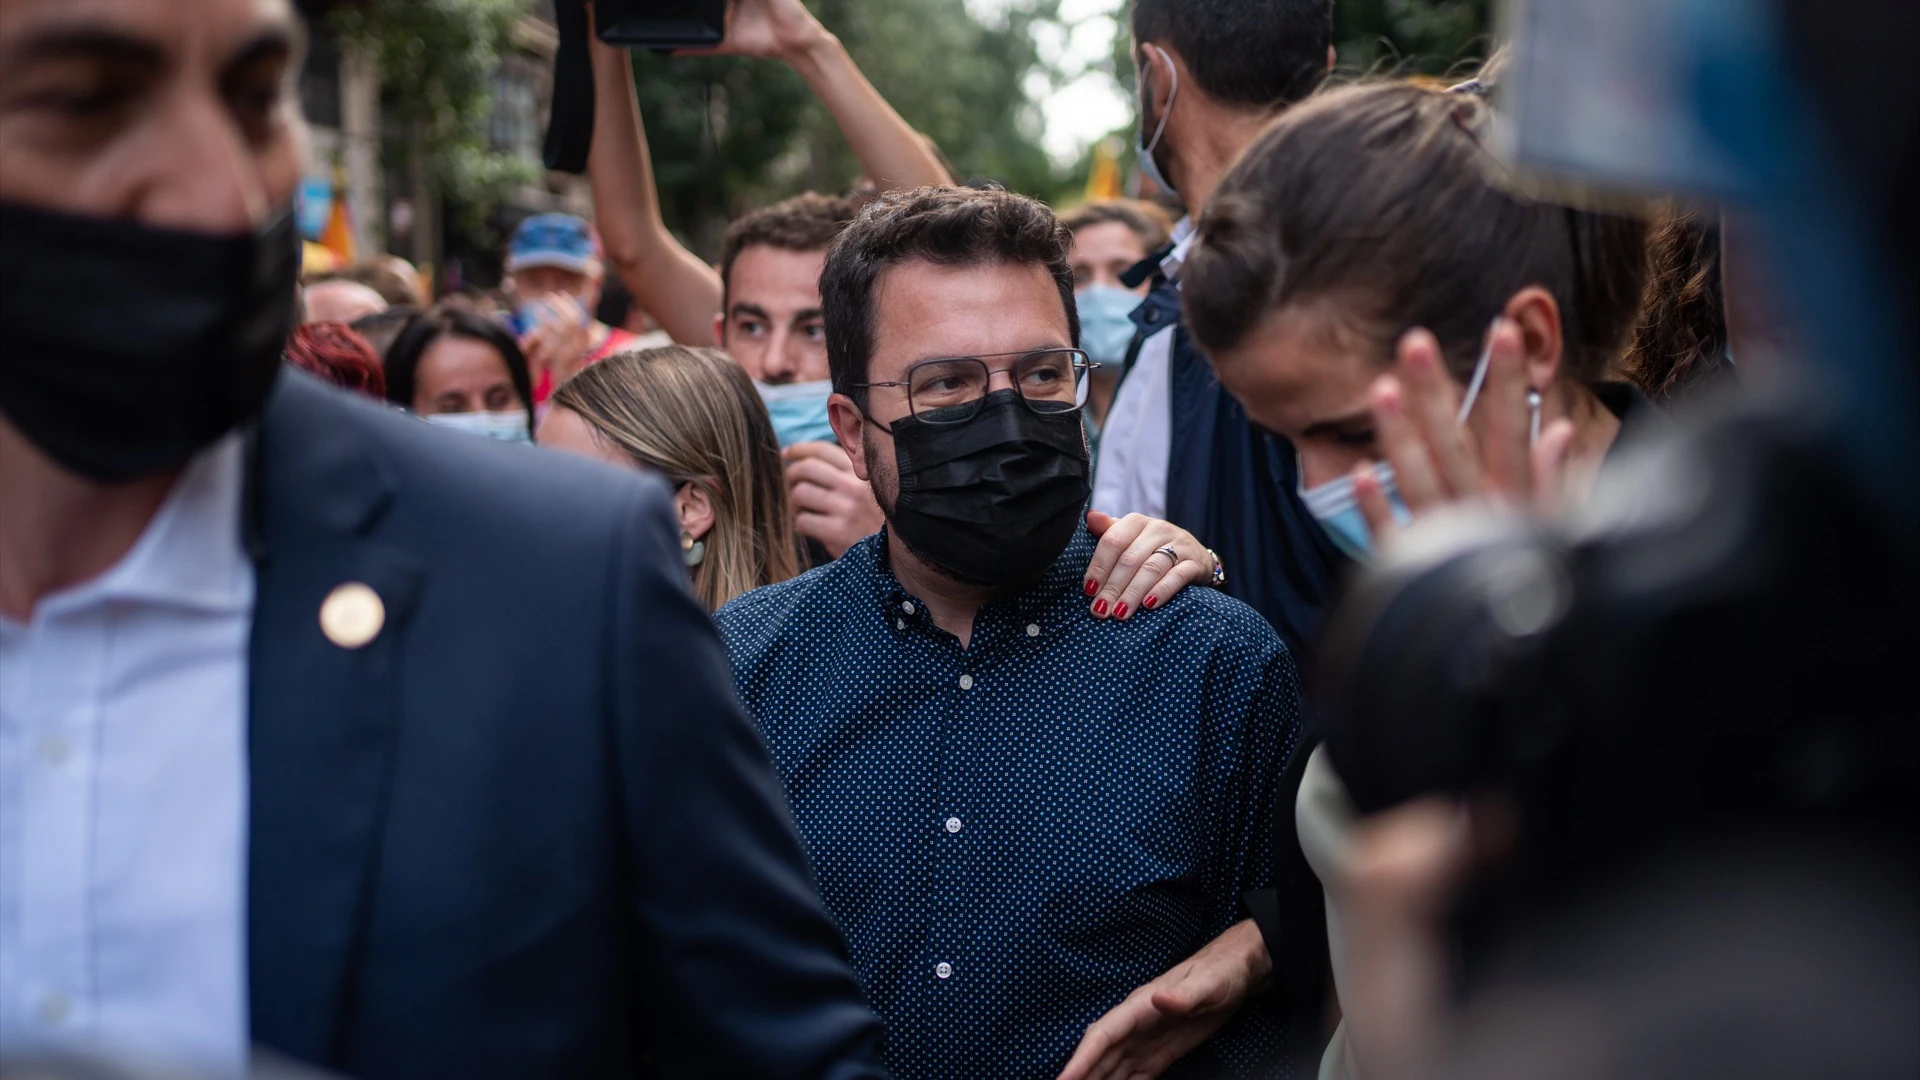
[1212,73]
[769,320]
[273,772]
[1018,814]
[554,275]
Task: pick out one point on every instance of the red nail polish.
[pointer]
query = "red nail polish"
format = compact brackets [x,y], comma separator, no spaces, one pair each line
[1092,587]
[1120,612]
[1151,600]
[1100,608]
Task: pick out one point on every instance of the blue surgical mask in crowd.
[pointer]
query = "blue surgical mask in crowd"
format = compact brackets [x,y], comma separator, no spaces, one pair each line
[1106,323]
[510,426]
[799,411]
[1149,167]
[1335,506]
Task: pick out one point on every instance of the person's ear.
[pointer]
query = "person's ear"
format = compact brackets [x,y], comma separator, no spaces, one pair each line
[1155,58]
[690,501]
[720,328]
[851,429]
[1535,312]
[1331,58]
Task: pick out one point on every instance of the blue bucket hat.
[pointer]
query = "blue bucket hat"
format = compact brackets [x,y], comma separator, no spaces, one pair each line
[559,240]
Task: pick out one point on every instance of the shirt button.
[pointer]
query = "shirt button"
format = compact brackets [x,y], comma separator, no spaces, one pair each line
[953,824]
[1033,629]
[900,624]
[966,682]
[53,1008]
[907,607]
[53,751]
[943,970]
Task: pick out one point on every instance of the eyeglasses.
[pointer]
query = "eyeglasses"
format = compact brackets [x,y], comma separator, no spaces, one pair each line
[952,391]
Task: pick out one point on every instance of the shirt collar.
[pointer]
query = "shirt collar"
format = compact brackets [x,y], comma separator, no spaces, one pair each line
[1184,235]
[190,555]
[1062,580]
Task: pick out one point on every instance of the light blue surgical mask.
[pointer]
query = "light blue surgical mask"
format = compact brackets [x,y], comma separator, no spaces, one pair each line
[1106,323]
[1337,509]
[799,411]
[1150,168]
[1334,505]
[508,426]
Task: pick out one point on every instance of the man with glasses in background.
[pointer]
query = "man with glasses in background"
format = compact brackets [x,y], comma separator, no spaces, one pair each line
[1017,813]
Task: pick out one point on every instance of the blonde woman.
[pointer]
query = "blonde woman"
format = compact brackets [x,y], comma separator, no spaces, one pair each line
[693,416]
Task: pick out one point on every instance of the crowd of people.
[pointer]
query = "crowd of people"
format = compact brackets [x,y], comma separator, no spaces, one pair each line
[888,649]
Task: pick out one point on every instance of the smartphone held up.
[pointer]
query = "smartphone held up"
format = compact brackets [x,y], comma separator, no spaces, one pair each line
[662,25]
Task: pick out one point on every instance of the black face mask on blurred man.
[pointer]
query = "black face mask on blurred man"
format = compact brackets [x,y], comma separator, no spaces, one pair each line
[126,348]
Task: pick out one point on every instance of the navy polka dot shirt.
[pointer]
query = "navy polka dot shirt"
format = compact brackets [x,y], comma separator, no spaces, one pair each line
[1016,835]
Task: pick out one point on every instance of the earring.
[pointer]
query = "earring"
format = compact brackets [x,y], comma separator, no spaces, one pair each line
[1533,408]
[693,551]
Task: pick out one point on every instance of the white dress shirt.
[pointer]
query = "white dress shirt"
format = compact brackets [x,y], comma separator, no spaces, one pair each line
[1137,439]
[123,794]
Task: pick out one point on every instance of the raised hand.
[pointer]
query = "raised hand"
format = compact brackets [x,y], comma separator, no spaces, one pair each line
[830,503]
[559,343]
[1438,460]
[1131,572]
[766,29]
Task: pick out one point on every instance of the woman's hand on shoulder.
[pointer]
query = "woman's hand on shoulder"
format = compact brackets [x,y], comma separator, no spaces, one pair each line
[1141,564]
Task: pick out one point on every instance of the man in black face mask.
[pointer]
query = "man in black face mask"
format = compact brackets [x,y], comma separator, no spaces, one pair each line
[315,732]
[1018,813]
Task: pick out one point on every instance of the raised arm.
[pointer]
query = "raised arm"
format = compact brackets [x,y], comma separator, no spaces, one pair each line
[676,286]
[891,152]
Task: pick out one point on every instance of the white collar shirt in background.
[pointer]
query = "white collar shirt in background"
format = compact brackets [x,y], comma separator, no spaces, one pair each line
[123,794]
[1137,439]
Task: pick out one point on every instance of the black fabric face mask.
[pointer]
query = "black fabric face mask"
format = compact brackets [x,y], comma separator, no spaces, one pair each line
[125,348]
[996,499]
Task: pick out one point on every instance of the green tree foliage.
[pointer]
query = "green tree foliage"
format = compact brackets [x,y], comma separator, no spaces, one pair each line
[1431,37]
[729,134]
[437,59]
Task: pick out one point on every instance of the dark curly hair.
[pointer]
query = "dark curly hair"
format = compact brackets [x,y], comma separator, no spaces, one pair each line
[946,227]
[1680,345]
[807,222]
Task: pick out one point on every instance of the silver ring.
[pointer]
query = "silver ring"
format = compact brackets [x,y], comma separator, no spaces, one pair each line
[1173,557]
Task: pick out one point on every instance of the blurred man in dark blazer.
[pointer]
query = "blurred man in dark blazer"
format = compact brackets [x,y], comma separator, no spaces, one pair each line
[402,753]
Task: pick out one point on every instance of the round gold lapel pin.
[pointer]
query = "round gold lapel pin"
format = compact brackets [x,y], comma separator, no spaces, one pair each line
[352,615]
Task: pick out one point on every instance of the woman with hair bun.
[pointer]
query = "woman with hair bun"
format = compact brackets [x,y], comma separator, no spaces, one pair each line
[1368,289]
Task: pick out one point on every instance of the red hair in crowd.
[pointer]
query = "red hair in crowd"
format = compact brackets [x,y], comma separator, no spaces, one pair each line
[338,354]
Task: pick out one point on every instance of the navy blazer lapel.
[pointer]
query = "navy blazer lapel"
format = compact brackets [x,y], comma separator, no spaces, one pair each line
[323,717]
